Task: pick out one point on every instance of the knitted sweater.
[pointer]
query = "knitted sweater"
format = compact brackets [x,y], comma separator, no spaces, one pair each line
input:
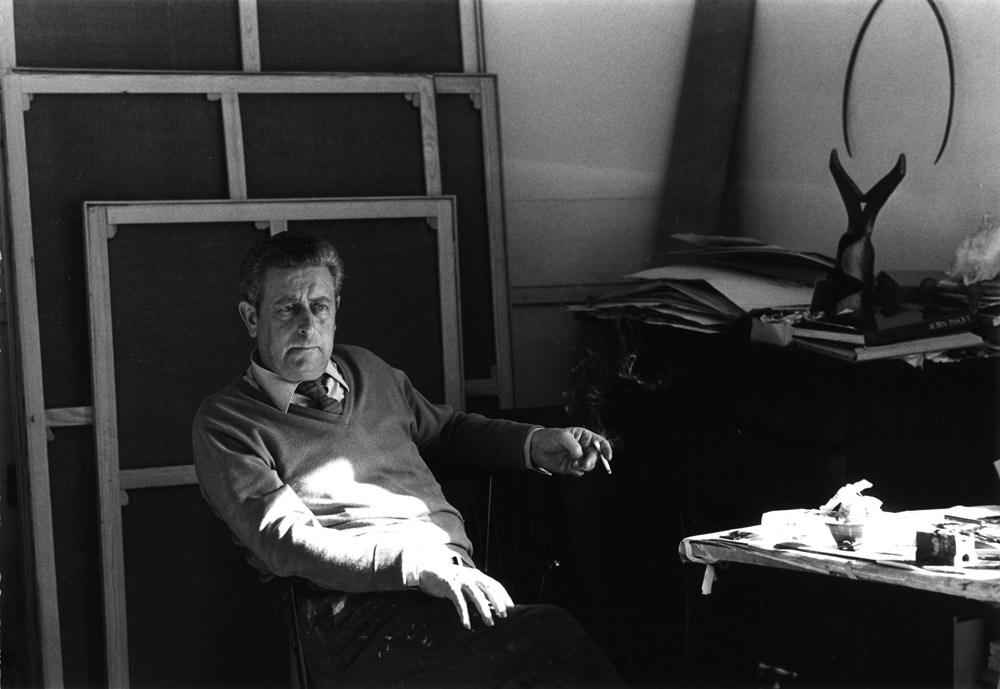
[341,500]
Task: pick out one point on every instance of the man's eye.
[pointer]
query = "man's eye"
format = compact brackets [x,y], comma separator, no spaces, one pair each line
[321,307]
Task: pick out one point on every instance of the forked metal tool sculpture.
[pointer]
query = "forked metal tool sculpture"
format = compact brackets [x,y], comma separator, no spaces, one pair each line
[851,283]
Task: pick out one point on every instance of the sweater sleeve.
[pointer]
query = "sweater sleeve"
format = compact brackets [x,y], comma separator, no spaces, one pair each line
[239,481]
[447,436]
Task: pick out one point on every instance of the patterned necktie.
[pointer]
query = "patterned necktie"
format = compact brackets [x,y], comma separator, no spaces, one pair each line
[316,391]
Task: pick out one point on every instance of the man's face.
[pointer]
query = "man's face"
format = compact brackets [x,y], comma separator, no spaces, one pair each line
[296,321]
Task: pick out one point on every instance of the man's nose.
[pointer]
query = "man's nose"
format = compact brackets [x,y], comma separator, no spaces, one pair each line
[307,322]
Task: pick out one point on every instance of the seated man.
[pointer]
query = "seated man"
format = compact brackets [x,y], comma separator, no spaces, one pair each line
[314,457]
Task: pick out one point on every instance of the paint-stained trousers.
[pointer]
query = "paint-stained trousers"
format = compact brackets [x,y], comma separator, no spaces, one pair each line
[409,639]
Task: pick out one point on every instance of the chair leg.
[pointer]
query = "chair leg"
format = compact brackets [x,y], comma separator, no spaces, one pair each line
[300,679]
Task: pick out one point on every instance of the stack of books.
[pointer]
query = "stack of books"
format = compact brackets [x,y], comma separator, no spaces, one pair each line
[983,296]
[885,334]
[987,293]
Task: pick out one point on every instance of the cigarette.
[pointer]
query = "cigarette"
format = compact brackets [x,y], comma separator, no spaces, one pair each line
[604,461]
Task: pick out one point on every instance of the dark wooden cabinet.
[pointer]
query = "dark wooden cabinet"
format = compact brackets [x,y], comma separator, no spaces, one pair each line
[748,428]
[711,431]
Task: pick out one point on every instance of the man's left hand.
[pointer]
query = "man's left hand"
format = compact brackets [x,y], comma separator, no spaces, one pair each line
[571,451]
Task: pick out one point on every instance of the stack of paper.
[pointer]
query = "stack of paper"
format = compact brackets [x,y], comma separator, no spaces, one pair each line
[685,303]
[749,256]
[711,282]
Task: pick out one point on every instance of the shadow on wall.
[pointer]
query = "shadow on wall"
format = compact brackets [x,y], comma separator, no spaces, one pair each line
[708,111]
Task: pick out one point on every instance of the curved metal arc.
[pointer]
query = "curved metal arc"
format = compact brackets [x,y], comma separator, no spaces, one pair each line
[853,59]
[850,73]
[951,77]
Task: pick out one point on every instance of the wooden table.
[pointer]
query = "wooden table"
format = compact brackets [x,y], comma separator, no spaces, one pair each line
[974,584]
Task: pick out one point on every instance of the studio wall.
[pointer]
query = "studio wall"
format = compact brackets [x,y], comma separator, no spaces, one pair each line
[782,190]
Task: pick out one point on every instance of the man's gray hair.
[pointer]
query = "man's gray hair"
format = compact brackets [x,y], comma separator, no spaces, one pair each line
[289,249]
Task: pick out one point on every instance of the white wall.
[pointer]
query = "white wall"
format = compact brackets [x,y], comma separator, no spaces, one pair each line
[792,120]
[588,94]
[587,98]
[587,91]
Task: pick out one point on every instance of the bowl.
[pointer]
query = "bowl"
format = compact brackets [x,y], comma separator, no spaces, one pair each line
[848,535]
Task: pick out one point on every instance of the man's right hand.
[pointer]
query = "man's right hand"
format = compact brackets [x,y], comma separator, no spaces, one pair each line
[461,584]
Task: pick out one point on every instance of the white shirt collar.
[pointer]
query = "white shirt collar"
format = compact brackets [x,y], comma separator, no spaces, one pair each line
[282,391]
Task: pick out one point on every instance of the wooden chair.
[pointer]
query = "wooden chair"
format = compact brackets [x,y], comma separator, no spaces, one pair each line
[286,608]
[297,659]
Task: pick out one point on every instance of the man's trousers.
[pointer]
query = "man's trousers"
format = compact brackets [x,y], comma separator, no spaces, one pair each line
[409,639]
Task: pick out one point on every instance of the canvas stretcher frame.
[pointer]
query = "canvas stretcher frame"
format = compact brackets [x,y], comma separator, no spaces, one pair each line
[102,219]
[481,89]
[18,88]
[470,28]
[39,421]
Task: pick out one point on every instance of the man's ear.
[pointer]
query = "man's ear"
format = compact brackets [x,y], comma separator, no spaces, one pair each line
[249,315]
